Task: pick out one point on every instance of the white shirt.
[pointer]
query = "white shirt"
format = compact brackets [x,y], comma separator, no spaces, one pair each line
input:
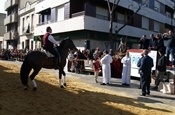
[51,39]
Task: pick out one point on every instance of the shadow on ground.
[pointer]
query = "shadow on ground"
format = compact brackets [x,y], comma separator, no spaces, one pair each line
[51,100]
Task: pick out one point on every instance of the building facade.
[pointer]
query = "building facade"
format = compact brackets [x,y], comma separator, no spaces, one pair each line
[86,21]
[2,30]
[11,22]
[27,23]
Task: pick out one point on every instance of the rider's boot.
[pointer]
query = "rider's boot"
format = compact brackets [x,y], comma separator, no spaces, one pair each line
[56,63]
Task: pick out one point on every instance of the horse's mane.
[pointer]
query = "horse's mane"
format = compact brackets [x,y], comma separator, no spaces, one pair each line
[63,41]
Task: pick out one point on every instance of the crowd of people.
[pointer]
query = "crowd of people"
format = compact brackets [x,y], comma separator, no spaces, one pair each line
[105,61]
[14,54]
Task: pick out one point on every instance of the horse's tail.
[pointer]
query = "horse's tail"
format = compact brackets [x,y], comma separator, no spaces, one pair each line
[25,70]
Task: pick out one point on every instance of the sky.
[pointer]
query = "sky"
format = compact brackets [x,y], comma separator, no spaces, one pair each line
[2,3]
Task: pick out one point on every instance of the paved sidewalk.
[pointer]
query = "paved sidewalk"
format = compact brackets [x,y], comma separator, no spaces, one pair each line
[164,100]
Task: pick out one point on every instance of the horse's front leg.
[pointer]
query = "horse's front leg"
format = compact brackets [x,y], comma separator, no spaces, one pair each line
[64,78]
[60,76]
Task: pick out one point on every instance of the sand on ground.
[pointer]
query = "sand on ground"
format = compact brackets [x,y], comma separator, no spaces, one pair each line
[78,98]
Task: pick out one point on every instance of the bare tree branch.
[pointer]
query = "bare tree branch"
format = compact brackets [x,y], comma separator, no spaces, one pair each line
[109,7]
[139,8]
[116,4]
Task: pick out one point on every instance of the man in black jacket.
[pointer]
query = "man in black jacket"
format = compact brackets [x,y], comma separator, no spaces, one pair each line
[145,72]
[144,42]
[161,68]
[138,65]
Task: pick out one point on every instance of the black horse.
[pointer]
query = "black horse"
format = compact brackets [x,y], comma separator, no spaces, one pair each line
[37,59]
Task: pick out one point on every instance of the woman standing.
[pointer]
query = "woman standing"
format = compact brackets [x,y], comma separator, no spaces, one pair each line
[96,68]
[126,60]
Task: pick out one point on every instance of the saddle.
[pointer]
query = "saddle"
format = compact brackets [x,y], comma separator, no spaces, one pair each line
[48,54]
[52,57]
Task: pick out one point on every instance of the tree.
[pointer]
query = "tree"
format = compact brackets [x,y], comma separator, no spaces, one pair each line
[112,9]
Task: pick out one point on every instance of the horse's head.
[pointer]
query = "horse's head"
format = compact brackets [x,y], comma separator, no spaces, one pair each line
[68,43]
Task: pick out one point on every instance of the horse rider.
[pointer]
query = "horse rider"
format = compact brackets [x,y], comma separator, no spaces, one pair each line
[49,44]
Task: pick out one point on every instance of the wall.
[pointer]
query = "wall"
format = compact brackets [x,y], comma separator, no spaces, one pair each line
[49,4]
[28,10]
[103,45]
[2,27]
[22,3]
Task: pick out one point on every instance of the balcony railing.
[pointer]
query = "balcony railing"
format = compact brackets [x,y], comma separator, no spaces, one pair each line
[14,18]
[12,35]
[11,19]
[7,36]
[78,14]
[7,20]
[43,23]
[28,30]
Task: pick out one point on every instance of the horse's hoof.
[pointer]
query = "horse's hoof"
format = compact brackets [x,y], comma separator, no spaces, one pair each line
[34,89]
[65,84]
[61,86]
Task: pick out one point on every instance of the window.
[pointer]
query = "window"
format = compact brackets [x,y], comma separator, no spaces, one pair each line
[101,13]
[157,6]
[121,18]
[60,13]
[145,23]
[23,23]
[40,19]
[168,14]
[27,20]
[46,18]
[53,14]
[145,2]
[32,19]
[31,45]
[22,45]
[156,26]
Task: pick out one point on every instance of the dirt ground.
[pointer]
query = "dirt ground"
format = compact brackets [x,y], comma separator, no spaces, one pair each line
[79,98]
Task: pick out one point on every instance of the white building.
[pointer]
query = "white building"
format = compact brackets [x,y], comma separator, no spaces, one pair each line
[27,22]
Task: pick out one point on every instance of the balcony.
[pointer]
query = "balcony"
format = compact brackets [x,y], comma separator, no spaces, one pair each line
[11,35]
[10,3]
[7,20]
[11,19]
[14,35]
[7,36]
[14,18]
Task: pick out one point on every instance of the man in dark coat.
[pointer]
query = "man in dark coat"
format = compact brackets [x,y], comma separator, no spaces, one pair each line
[138,65]
[145,72]
[161,68]
[144,42]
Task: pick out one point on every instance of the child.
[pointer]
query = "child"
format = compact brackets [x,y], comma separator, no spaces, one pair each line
[96,68]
